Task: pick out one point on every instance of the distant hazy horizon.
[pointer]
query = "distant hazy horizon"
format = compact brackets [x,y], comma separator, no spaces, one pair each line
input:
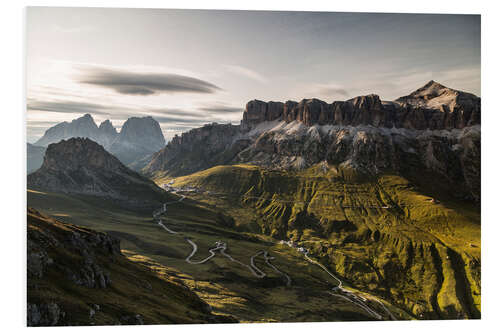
[186,68]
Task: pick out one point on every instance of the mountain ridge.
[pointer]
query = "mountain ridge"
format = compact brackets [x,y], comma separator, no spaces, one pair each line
[432,106]
[362,133]
[138,139]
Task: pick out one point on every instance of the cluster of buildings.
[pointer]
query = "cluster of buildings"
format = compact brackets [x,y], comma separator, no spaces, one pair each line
[169,188]
[294,245]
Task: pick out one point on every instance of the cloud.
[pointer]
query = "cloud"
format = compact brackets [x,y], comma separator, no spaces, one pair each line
[41,123]
[206,113]
[61,106]
[247,72]
[177,112]
[144,84]
[181,120]
[333,91]
[220,108]
[327,91]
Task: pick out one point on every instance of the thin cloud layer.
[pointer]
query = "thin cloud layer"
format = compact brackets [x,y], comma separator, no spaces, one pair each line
[334,91]
[144,84]
[66,106]
[247,72]
[221,109]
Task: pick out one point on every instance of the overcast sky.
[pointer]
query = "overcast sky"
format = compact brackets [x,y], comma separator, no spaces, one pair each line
[189,67]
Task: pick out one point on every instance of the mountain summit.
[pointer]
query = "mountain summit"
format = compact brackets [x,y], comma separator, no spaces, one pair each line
[138,139]
[84,127]
[434,95]
[107,133]
[80,165]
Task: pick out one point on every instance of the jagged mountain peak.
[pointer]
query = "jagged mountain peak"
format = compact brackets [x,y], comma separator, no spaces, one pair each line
[138,138]
[106,123]
[85,119]
[432,89]
[87,116]
[136,127]
[434,95]
[107,127]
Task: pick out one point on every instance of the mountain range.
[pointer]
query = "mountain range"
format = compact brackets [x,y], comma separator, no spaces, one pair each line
[380,195]
[137,140]
[434,129]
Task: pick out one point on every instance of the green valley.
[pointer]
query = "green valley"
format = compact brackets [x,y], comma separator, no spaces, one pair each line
[417,248]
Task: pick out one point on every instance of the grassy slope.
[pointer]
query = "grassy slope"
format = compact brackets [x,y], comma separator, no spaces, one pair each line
[135,288]
[421,255]
[227,287]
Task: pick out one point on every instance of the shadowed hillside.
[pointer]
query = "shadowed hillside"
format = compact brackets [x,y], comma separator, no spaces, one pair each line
[77,276]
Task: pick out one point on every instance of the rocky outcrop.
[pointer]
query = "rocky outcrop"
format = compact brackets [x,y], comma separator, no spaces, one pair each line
[138,138]
[78,276]
[34,158]
[107,133]
[48,241]
[197,149]
[82,166]
[431,107]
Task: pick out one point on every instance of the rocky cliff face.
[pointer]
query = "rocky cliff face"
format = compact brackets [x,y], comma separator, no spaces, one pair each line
[82,166]
[78,276]
[138,138]
[434,129]
[198,149]
[452,156]
[107,133]
[431,107]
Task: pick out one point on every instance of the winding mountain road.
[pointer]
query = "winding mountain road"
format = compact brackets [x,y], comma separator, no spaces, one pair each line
[219,246]
[195,248]
[267,258]
[337,291]
[340,291]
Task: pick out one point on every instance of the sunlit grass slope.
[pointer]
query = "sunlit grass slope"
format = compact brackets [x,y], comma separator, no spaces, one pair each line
[408,241]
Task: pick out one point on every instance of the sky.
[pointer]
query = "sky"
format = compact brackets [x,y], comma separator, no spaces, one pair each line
[186,68]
